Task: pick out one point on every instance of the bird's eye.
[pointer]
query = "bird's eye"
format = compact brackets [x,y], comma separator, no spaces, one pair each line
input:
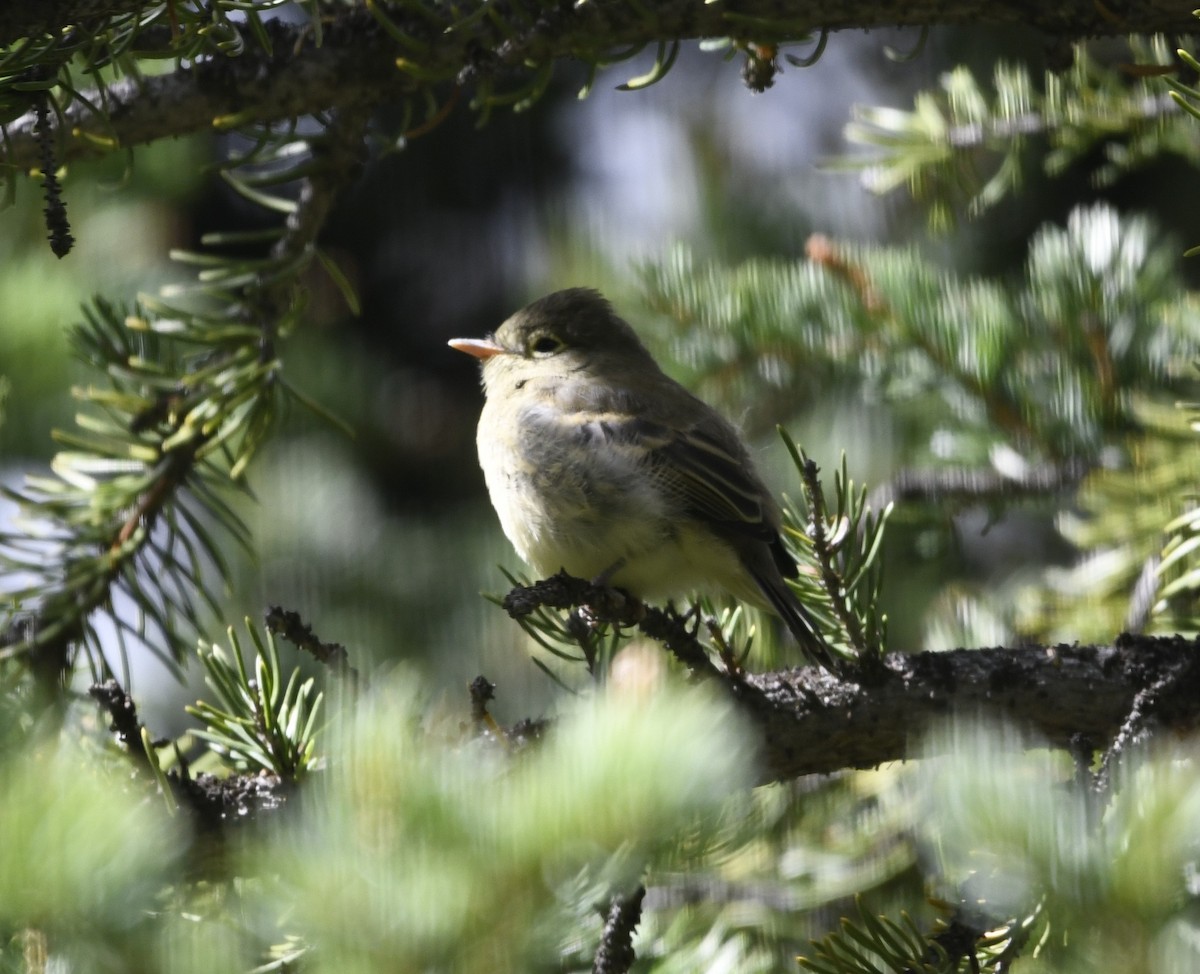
[545,345]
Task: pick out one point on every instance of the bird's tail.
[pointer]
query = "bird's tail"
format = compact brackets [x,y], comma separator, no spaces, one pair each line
[783,600]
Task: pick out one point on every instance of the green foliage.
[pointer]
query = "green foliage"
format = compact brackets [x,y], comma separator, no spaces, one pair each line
[193,387]
[135,496]
[875,944]
[1113,881]
[1132,525]
[1177,569]
[1046,364]
[790,859]
[838,552]
[85,857]
[261,723]
[420,855]
[967,145]
[1041,867]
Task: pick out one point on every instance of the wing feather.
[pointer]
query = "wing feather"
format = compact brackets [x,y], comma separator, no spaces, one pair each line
[705,471]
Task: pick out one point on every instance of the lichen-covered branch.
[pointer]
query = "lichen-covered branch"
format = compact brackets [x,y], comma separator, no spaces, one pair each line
[360,60]
[813,723]
[615,954]
[217,804]
[353,66]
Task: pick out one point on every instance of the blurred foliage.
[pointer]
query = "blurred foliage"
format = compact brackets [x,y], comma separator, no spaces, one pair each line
[419,855]
[108,203]
[1110,881]
[1046,364]
[1131,525]
[968,145]
[86,858]
[1071,370]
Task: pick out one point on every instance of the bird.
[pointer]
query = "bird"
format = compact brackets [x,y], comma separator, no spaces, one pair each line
[601,465]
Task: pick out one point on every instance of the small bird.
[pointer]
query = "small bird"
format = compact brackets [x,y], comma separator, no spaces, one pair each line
[600,464]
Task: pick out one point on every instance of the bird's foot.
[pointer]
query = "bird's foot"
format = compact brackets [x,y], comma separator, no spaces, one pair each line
[614,605]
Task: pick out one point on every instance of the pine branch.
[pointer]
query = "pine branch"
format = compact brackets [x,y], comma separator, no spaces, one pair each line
[355,65]
[1071,18]
[1040,366]
[216,803]
[359,60]
[678,633]
[812,723]
[27,18]
[964,142]
[265,718]
[193,394]
[832,579]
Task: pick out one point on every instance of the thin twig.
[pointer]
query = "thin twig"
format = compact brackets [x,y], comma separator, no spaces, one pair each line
[483,691]
[123,718]
[1142,716]
[289,625]
[612,606]
[831,578]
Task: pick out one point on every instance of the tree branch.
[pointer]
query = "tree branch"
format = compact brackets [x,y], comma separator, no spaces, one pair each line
[813,723]
[355,66]
[217,804]
[357,61]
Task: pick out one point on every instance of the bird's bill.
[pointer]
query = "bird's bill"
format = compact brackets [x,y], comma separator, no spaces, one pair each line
[481,348]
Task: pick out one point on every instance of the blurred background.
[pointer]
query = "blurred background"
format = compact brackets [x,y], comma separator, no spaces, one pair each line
[384,540]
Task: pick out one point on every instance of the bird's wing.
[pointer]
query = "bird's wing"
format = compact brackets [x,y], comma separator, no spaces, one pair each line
[694,456]
[708,470]
[713,481]
[702,466]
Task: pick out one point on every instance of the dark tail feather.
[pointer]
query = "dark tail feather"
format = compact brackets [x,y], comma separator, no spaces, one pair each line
[783,600]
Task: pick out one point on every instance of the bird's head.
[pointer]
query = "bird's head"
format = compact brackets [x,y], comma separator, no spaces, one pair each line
[567,331]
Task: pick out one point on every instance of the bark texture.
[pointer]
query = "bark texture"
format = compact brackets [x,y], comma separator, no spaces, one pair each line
[358,62]
[811,722]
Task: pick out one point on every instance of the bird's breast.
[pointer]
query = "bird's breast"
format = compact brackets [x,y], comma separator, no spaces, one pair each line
[569,491]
